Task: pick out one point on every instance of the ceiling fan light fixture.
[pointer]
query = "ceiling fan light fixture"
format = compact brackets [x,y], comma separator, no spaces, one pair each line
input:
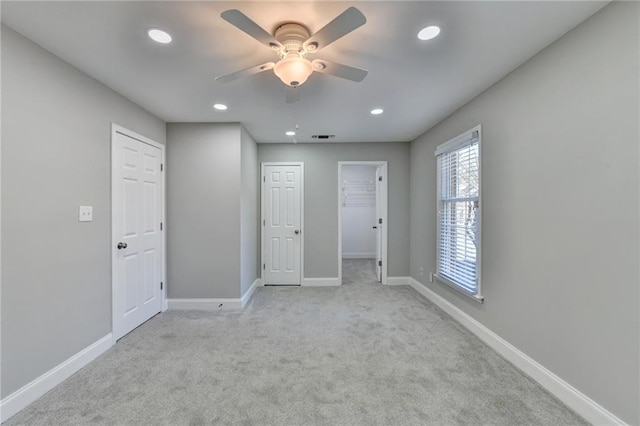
[293,69]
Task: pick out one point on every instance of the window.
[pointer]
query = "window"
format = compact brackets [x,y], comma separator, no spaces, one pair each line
[459,213]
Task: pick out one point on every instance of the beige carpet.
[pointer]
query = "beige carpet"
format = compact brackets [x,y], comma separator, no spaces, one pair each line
[360,354]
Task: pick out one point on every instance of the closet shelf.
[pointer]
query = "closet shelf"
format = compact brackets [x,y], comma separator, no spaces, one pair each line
[358,193]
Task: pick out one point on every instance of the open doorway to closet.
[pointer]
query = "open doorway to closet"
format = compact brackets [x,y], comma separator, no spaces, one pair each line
[362,221]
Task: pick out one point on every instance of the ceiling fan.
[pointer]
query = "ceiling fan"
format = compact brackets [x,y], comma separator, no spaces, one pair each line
[292,42]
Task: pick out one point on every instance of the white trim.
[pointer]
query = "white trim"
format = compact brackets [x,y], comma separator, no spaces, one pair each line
[320,282]
[204,304]
[457,288]
[572,397]
[115,128]
[247,295]
[165,306]
[454,143]
[358,255]
[262,198]
[399,281]
[30,392]
[2,419]
[384,208]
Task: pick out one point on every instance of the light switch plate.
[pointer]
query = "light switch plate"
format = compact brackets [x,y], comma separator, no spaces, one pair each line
[85,214]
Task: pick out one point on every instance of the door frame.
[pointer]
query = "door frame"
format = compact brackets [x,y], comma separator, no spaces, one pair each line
[263,165]
[384,209]
[115,129]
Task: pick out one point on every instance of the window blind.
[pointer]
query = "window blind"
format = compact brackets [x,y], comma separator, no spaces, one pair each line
[458,212]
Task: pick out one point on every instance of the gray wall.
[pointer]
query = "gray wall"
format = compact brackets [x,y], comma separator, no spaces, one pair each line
[321,199]
[560,208]
[56,145]
[249,217]
[203,210]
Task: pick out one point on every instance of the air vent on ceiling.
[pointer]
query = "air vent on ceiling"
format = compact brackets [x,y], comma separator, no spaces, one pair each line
[323,136]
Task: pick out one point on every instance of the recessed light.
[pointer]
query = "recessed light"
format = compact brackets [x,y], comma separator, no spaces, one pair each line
[159,36]
[290,133]
[220,107]
[377,111]
[428,33]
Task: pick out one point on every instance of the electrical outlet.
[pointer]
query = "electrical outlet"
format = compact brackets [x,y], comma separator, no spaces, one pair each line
[421,270]
[85,214]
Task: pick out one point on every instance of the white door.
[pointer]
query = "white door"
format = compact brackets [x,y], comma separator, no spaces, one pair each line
[282,230]
[378,225]
[137,240]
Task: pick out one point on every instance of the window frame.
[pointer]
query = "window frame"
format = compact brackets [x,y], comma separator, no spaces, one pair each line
[445,148]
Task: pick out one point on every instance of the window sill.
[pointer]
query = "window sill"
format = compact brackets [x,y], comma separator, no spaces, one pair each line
[475,297]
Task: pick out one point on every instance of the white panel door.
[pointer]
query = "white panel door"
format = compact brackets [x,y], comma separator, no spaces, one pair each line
[378,225]
[282,233]
[137,245]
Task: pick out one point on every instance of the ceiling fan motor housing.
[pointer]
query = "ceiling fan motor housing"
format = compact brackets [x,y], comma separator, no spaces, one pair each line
[292,36]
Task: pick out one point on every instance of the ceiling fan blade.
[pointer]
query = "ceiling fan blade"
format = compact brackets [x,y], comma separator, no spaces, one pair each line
[343,24]
[244,23]
[339,70]
[292,94]
[245,72]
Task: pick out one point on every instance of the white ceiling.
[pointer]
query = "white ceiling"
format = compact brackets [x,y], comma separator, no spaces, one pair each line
[417,83]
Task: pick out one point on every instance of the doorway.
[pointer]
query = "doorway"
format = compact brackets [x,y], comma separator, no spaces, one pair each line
[282,223]
[362,219]
[138,244]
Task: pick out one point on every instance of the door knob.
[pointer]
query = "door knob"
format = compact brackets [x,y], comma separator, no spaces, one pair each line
[296,231]
[122,246]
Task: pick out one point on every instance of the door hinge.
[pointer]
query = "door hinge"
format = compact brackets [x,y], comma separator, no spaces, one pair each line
[264,266]
[161,285]
[161,167]
[264,223]
[380,221]
[379,262]
[161,227]
[264,178]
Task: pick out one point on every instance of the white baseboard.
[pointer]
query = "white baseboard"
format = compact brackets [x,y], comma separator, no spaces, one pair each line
[320,282]
[247,295]
[399,280]
[214,304]
[358,255]
[576,400]
[204,304]
[24,396]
